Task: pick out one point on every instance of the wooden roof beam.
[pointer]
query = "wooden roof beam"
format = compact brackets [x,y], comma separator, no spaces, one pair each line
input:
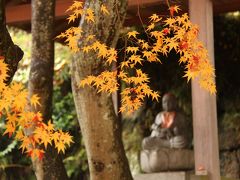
[22,13]
[134,3]
[18,14]
[226,6]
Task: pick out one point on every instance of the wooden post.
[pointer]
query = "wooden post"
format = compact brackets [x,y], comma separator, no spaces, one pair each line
[203,104]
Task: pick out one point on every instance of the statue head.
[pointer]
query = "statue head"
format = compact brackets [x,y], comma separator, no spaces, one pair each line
[169,102]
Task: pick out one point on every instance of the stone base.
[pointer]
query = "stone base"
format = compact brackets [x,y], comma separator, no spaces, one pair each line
[166,160]
[180,175]
[163,176]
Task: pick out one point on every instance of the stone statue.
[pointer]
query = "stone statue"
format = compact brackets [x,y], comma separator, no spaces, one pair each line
[169,128]
[166,148]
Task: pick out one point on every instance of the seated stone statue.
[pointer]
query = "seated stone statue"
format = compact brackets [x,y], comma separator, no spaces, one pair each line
[169,128]
[165,148]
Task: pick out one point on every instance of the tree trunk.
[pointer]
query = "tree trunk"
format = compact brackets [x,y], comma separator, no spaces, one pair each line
[41,81]
[99,124]
[11,52]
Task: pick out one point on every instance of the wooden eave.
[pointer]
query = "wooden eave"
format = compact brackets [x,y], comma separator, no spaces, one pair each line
[18,12]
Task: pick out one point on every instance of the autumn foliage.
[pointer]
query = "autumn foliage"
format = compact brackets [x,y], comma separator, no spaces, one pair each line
[24,125]
[164,35]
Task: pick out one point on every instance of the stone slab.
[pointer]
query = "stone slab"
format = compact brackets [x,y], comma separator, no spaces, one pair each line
[166,159]
[180,175]
[195,177]
[163,176]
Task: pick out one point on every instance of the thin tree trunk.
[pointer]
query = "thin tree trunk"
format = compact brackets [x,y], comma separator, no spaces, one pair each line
[41,82]
[99,124]
[11,52]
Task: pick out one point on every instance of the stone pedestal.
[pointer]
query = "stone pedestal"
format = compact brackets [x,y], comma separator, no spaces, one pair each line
[162,176]
[181,175]
[166,159]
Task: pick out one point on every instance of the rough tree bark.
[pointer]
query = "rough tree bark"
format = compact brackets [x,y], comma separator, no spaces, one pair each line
[99,125]
[11,52]
[41,81]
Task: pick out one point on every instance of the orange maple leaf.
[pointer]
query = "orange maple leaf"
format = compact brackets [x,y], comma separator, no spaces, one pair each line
[10,129]
[173,9]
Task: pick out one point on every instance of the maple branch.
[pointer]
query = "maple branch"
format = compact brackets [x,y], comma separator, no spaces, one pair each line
[139,15]
[140,18]
[168,4]
[125,52]
[12,53]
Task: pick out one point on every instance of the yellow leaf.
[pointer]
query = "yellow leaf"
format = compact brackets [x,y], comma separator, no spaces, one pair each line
[72,42]
[122,75]
[103,51]
[75,5]
[2,85]
[190,74]
[111,59]
[151,27]
[153,58]
[45,139]
[10,128]
[12,118]
[78,12]
[90,37]
[16,87]
[104,10]
[55,137]
[155,96]
[77,31]
[62,35]
[156,34]
[87,81]
[34,100]
[3,69]
[155,18]
[66,138]
[20,101]
[25,143]
[71,18]
[50,126]
[145,45]
[125,64]
[132,49]
[173,45]
[132,34]
[147,54]
[170,21]
[174,9]
[60,146]
[86,49]
[19,135]
[89,15]
[136,59]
